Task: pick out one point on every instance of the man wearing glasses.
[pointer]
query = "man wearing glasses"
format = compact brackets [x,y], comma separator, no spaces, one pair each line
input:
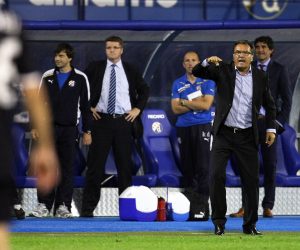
[281,90]
[241,91]
[118,96]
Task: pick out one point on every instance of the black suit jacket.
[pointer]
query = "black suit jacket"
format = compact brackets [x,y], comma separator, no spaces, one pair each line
[224,75]
[281,89]
[138,88]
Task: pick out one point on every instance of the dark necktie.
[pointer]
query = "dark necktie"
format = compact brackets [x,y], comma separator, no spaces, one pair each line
[262,67]
[112,91]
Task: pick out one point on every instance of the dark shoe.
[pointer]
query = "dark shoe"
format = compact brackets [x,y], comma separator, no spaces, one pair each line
[267,213]
[238,214]
[219,230]
[19,212]
[86,214]
[251,230]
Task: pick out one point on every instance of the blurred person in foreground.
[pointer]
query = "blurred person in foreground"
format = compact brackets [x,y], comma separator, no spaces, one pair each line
[192,100]
[43,159]
[241,90]
[281,90]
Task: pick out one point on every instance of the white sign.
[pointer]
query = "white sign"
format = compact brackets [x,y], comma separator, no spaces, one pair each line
[107,3]
[156,116]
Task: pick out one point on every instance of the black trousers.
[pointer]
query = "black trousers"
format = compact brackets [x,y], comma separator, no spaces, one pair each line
[269,161]
[14,193]
[195,156]
[65,142]
[269,157]
[6,160]
[107,133]
[242,145]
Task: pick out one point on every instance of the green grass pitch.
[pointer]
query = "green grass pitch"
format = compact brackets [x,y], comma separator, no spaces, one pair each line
[155,241]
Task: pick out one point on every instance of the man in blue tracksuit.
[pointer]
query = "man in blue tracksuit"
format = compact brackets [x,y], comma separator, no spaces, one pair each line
[68,90]
[192,100]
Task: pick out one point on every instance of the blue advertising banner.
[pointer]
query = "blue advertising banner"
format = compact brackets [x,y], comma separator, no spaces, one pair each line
[164,10]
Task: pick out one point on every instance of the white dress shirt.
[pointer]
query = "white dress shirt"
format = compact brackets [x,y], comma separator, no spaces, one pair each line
[123,104]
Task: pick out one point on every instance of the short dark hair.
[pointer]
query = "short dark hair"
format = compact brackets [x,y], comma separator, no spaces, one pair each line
[67,48]
[265,39]
[115,39]
[245,42]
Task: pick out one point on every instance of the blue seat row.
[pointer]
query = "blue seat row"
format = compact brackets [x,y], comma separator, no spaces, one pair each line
[162,158]
[111,170]
[24,180]
[288,163]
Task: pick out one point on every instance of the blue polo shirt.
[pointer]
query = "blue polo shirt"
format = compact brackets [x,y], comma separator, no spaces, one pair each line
[181,89]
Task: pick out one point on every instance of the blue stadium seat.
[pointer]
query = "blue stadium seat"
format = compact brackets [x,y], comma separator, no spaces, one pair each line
[21,156]
[288,159]
[291,154]
[79,167]
[148,180]
[161,148]
[21,159]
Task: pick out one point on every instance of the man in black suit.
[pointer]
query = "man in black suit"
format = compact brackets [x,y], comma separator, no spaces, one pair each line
[241,91]
[118,96]
[281,90]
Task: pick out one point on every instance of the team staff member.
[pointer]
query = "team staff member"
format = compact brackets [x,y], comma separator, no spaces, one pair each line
[192,99]
[68,89]
[118,96]
[15,68]
[281,90]
[241,91]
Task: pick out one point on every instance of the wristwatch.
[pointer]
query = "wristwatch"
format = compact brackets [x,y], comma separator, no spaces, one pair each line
[88,132]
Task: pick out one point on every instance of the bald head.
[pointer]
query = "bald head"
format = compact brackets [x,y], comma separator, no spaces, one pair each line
[190,60]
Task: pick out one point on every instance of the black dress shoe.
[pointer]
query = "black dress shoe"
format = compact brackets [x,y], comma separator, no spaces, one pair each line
[19,212]
[219,229]
[251,230]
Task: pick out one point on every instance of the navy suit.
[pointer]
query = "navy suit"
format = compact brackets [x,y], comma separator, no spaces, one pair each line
[243,144]
[281,91]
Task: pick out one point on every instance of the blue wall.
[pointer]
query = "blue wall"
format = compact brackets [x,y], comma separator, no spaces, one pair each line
[157,9]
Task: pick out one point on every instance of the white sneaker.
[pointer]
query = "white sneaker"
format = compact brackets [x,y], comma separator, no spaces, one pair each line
[63,212]
[40,211]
